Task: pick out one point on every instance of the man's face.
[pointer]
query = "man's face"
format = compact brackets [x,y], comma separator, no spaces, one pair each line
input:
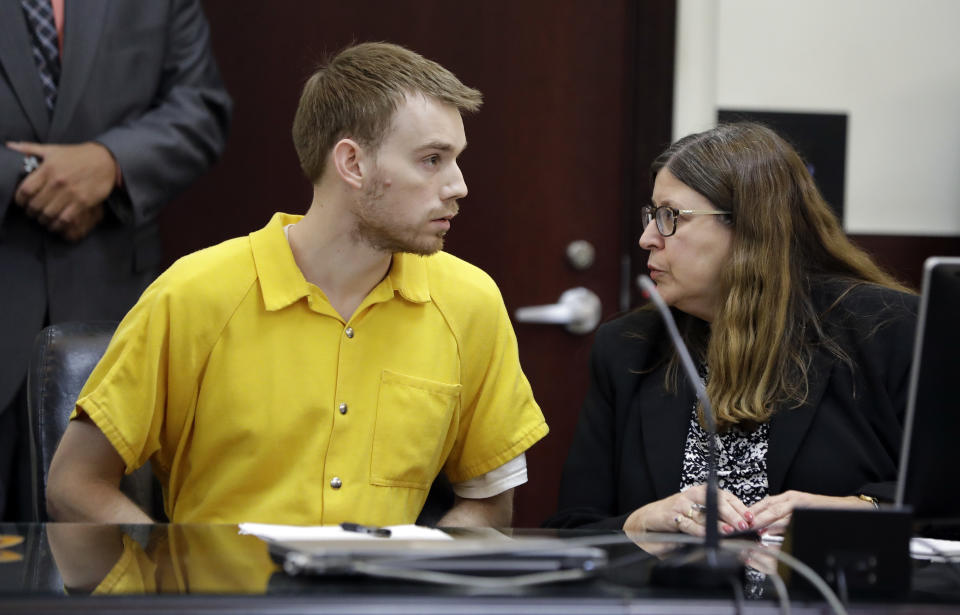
[411,196]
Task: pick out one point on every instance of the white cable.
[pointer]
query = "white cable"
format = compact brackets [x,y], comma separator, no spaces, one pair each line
[782,594]
[806,571]
[447,578]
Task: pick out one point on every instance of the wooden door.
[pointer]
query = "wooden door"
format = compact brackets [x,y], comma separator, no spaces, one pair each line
[577,102]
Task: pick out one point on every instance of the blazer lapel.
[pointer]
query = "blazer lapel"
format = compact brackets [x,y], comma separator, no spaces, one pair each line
[665,420]
[16,56]
[789,426]
[83,24]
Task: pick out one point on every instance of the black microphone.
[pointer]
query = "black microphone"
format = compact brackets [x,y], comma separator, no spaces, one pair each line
[707,567]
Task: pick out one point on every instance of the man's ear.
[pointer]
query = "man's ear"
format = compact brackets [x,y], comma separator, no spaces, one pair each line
[348,160]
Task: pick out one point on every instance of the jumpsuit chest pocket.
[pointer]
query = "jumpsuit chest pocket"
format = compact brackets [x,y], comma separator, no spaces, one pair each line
[416,426]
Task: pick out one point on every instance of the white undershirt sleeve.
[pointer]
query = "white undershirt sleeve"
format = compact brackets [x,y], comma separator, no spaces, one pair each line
[494,482]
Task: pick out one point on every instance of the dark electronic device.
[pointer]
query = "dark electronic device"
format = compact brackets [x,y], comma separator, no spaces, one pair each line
[930,456]
[866,552]
[859,553]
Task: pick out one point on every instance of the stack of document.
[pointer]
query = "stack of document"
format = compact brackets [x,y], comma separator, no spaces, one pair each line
[278,533]
[334,550]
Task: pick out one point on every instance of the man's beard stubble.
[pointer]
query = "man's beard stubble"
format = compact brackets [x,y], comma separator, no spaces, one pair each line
[378,229]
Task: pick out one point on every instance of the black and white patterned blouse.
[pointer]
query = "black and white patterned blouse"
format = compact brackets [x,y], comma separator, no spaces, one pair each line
[741,460]
[741,470]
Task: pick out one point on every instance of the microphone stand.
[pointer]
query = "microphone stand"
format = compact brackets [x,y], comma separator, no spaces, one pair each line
[695,565]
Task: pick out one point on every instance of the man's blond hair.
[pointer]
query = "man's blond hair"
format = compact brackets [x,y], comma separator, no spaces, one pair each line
[357,93]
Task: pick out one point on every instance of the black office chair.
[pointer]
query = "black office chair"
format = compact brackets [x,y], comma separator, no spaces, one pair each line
[63,357]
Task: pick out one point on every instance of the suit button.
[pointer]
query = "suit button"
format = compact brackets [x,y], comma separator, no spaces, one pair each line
[343,407]
[335,482]
[349,332]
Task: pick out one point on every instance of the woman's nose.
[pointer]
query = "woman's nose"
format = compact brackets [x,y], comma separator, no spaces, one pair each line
[651,237]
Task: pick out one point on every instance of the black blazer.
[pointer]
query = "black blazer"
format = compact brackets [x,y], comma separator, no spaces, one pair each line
[628,446]
[139,78]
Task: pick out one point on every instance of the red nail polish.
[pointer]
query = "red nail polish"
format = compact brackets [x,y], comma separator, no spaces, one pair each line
[742,525]
[727,528]
[748,516]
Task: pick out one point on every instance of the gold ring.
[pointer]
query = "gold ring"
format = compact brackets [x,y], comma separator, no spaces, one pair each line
[678,519]
[691,513]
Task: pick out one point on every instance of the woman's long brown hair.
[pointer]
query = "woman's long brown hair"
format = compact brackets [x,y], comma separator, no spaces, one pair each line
[758,347]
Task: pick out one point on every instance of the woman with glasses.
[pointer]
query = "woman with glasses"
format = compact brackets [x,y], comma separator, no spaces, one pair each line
[802,341]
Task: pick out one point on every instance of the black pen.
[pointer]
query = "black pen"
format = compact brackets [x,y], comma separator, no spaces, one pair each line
[370,530]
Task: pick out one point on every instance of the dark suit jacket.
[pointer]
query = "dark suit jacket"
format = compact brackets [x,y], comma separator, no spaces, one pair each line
[628,446]
[139,78]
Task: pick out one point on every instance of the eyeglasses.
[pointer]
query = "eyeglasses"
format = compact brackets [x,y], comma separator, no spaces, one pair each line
[666,217]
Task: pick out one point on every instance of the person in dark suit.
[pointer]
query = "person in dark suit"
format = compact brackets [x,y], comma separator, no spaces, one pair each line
[802,341]
[108,109]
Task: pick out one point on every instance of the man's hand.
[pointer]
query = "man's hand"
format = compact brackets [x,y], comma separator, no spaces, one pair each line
[66,192]
[82,223]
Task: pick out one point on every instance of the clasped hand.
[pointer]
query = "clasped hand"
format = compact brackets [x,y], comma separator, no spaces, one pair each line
[686,512]
[66,192]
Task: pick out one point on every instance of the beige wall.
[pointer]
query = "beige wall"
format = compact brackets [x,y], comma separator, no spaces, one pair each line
[892,65]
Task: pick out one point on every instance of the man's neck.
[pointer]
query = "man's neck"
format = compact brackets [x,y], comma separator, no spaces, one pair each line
[331,258]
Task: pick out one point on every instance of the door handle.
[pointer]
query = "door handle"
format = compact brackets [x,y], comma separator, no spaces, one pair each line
[578,310]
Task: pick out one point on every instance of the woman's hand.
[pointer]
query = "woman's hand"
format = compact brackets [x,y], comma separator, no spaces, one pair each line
[685,512]
[771,515]
[761,557]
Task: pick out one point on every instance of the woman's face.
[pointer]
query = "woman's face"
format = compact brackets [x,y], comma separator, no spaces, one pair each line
[686,266]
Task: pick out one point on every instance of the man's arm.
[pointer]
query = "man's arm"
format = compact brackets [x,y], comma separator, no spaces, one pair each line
[495,511]
[158,154]
[84,553]
[84,479]
[164,150]
[149,158]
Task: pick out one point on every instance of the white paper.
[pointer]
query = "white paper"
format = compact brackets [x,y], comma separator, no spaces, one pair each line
[934,549]
[335,532]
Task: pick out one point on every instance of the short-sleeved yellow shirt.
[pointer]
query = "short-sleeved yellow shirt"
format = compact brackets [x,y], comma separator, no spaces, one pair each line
[255,401]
